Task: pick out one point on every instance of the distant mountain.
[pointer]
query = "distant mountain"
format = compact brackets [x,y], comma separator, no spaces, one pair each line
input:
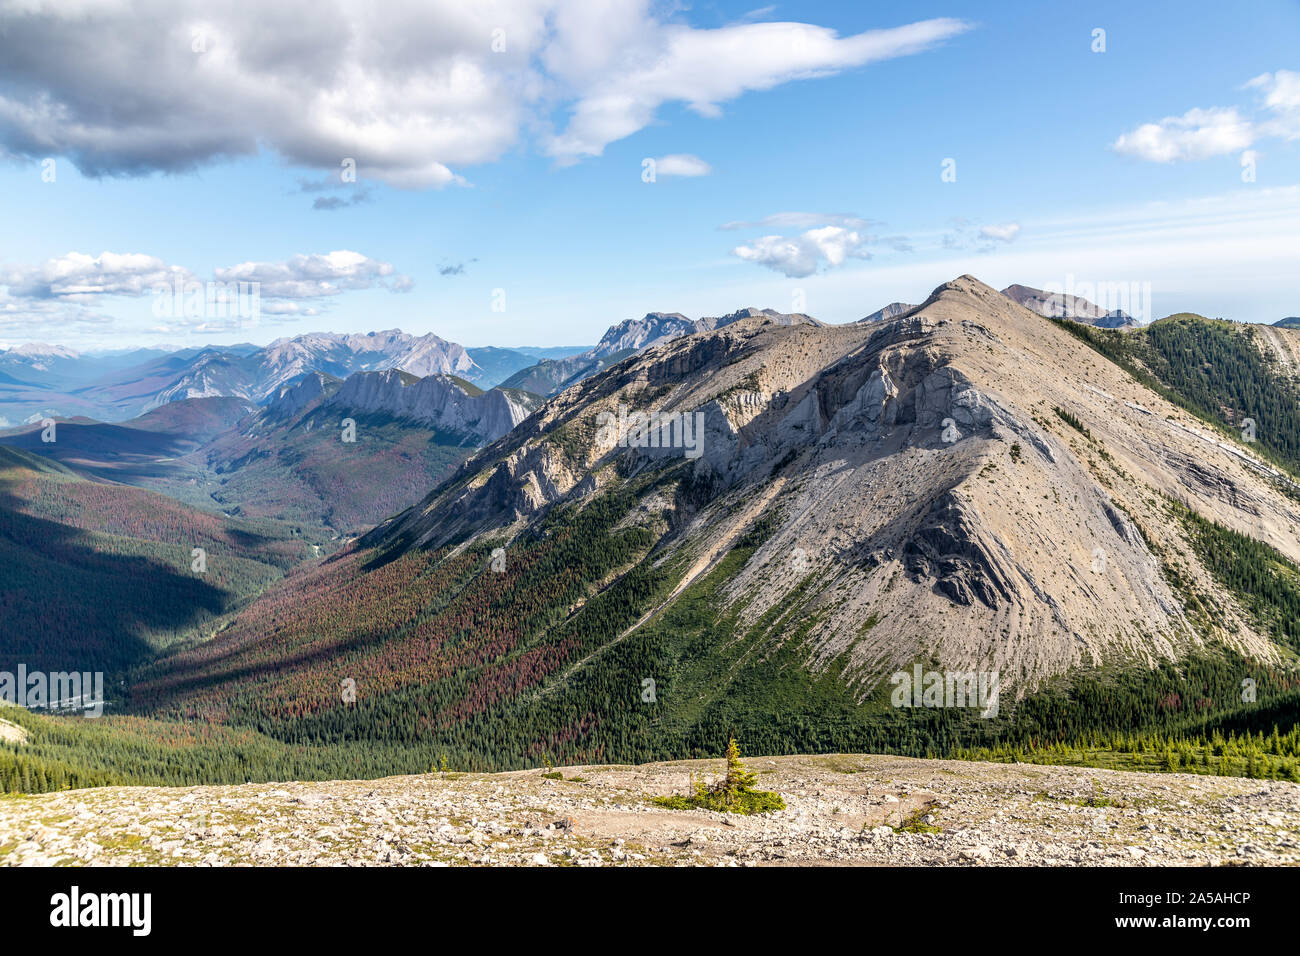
[39,381]
[147,451]
[495,365]
[443,401]
[286,359]
[891,311]
[1056,305]
[550,351]
[1290,322]
[632,335]
[287,461]
[38,355]
[119,390]
[554,375]
[629,337]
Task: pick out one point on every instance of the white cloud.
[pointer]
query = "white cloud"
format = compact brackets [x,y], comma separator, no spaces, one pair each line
[1202,133]
[77,277]
[1229,255]
[55,295]
[314,276]
[621,88]
[412,92]
[1282,99]
[1281,89]
[681,164]
[1197,134]
[802,255]
[1003,233]
[28,319]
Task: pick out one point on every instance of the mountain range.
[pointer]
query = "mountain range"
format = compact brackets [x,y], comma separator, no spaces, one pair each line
[38,381]
[746,524]
[293,460]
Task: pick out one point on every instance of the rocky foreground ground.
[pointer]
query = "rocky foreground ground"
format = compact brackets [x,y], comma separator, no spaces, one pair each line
[841,809]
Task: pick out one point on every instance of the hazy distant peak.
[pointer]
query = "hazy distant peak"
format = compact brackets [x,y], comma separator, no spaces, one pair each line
[891,311]
[1059,305]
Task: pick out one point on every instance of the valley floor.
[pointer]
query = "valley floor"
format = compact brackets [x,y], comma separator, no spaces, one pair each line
[841,809]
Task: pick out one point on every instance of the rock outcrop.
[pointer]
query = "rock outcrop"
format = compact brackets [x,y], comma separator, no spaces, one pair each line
[438,400]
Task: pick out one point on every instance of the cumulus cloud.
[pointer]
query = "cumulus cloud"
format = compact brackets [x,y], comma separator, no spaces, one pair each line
[1005,232]
[1281,97]
[410,93]
[27,318]
[802,255]
[57,294]
[314,276]
[1281,89]
[1197,134]
[77,277]
[1202,133]
[681,164]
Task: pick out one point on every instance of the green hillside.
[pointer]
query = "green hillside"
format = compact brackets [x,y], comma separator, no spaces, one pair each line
[452,661]
[98,576]
[1214,369]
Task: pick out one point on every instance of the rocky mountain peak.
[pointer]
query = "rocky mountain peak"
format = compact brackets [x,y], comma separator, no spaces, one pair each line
[918,465]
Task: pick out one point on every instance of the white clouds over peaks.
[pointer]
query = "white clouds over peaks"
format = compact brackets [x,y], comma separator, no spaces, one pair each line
[802,255]
[60,290]
[313,276]
[77,277]
[412,91]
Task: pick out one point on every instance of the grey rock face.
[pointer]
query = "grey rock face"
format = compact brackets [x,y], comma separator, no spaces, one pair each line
[437,400]
[294,398]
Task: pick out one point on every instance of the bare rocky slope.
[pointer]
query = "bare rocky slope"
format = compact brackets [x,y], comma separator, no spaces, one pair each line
[439,400]
[849,810]
[927,498]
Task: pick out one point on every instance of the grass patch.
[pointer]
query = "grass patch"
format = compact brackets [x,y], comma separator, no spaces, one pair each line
[914,822]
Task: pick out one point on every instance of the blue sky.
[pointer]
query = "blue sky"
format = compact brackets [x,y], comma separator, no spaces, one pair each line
[515,176]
